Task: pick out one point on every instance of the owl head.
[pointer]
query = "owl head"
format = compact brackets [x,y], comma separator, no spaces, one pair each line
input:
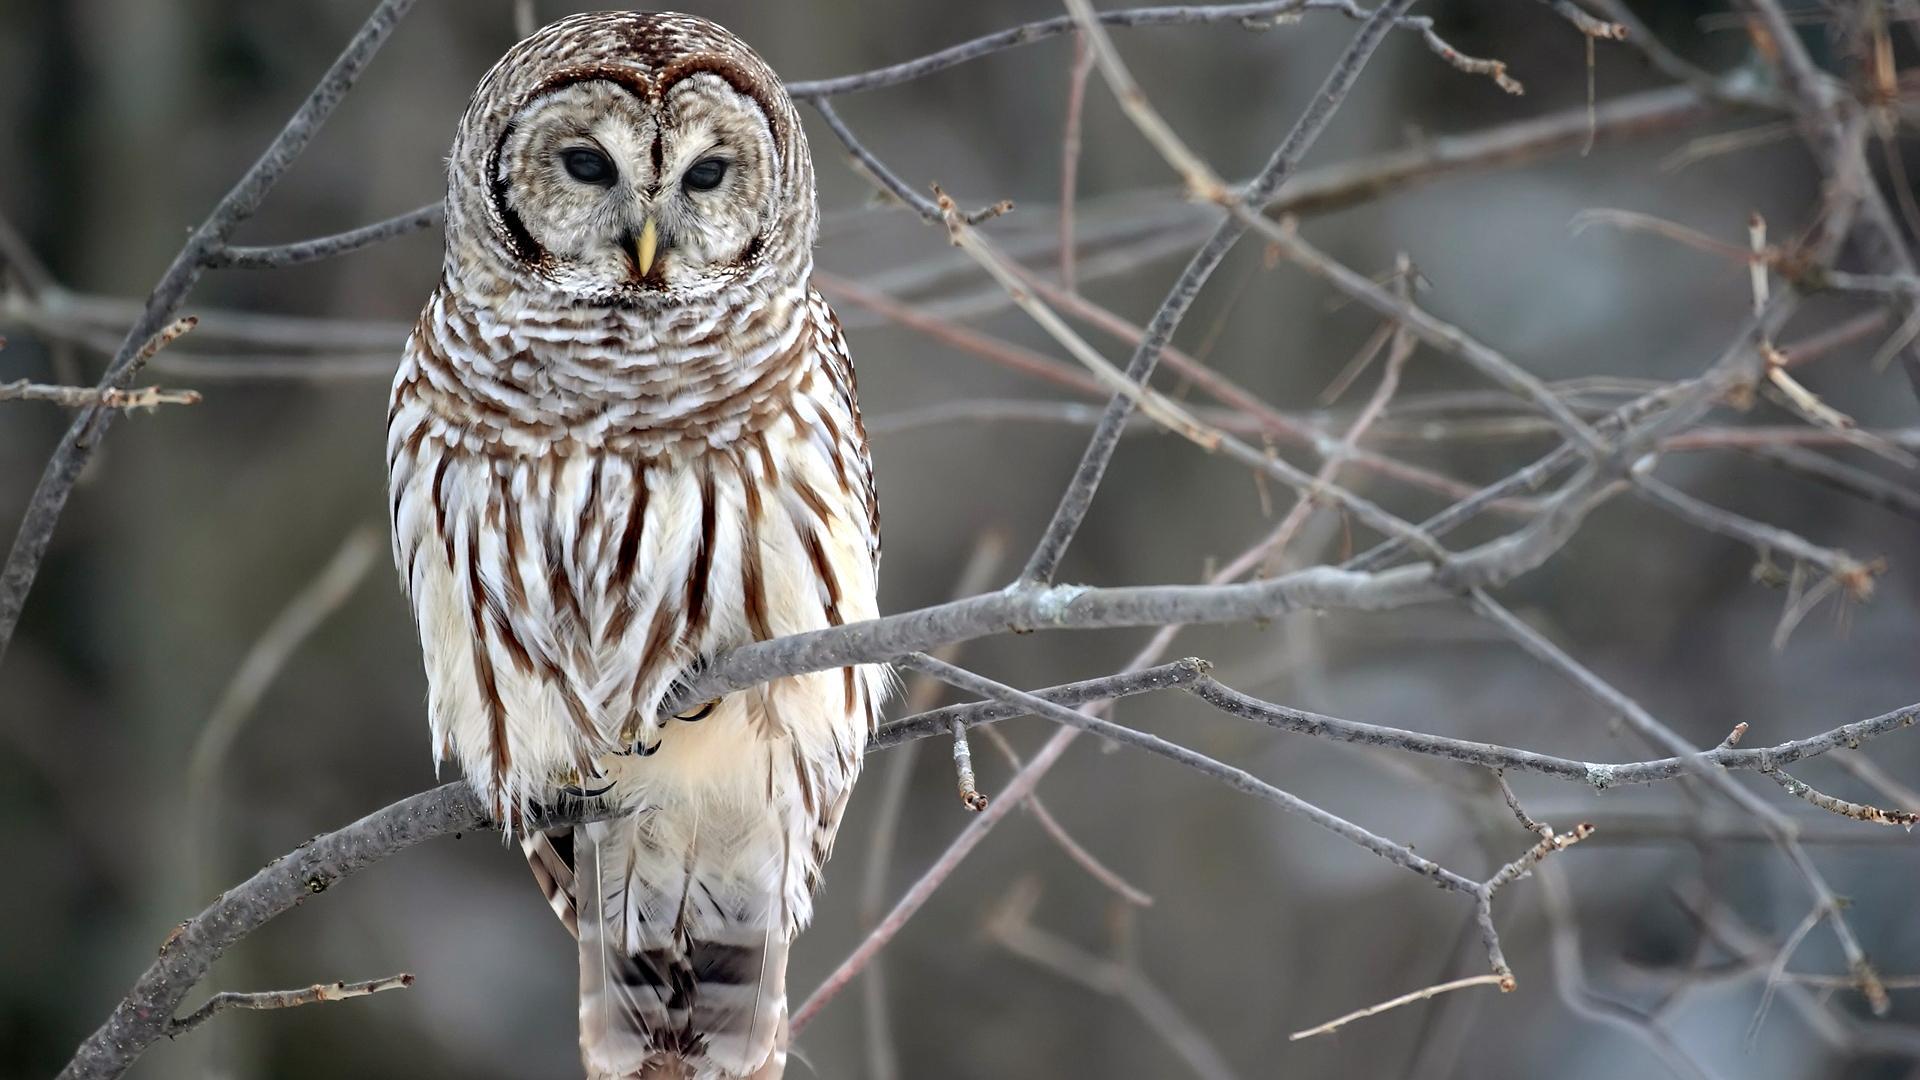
[630,158]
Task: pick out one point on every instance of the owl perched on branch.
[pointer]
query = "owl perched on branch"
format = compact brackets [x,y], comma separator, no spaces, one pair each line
[625,439]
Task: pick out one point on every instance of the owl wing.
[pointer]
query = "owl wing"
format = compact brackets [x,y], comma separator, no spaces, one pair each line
[831,342]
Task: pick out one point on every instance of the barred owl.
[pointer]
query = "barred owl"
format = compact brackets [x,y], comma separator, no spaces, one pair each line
[624,438]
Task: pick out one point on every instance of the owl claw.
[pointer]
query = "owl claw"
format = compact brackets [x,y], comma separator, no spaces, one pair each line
[573,784]
[634,747]
[701,713]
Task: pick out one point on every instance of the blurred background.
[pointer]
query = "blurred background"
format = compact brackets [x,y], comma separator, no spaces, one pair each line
[216,664]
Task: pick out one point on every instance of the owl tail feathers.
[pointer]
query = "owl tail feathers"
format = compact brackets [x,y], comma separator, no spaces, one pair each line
[659,1001]
[675,1067]
[550,857]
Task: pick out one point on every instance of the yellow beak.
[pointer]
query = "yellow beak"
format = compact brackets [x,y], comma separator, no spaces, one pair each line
[645,247]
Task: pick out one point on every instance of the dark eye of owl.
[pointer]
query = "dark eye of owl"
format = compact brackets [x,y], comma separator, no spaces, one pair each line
[706,174]
[587,166]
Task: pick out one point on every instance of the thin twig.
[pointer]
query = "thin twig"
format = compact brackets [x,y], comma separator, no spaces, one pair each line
[1203,184]
[1012,926]
[284,999]
[967,339]
[326,247]
[303,614]
[1398,854]
[1397,355]
[1070,155]
[1245,14]
[1441,335]
[1404,999]
[1600,776]
[1588,25]
[1078,498]
[1870,773]
[1905,819]
[1520,814]
[1855,576]
[1570,982]
[1777,970]
[1285,429]
[138,397]
[1141,680]
[970,796]
[1074,849]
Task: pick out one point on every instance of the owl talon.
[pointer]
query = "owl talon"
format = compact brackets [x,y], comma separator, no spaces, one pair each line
[701,713]
[573,784]
[646,751]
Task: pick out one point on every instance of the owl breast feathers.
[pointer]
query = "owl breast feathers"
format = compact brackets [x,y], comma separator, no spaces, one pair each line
[625,438]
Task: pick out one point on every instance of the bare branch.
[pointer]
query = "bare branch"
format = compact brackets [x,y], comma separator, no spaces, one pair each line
[76,397]
[284,999]
[970,796]
[1398,854]
[1074,849]
[145,1014]
[1587,24]
[1070,155]
[1078,498]
[1570,981]
[1905,819]
[1519,813]
[1112,687]
[1855,576]
[326,247]
[304,613]
[1840,476]
[1442,336]
[1012,926]
[1598,775]
[1422,994]
[1203,184]
[1249,14]
[83,436]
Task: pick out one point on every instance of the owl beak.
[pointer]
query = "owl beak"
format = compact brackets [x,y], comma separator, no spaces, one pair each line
[645,246]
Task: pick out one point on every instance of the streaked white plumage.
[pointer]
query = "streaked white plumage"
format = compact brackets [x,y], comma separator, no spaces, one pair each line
[604,470]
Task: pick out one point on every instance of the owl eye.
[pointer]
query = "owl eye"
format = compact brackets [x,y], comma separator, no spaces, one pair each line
[588,166]
[706,174]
